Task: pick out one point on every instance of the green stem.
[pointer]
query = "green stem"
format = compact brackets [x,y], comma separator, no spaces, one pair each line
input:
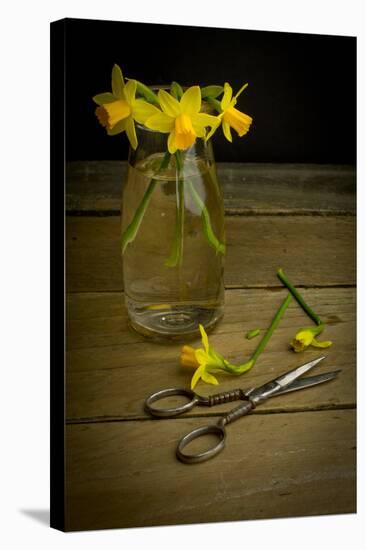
[281,275]
[214,103]
[240,369]
[131,230]
[176,253]
[207,227]
[276,319]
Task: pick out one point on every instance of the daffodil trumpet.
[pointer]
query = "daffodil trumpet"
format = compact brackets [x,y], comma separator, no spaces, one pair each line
[206,361]
[306,337]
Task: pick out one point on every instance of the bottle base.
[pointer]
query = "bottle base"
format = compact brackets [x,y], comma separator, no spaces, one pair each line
[174,323]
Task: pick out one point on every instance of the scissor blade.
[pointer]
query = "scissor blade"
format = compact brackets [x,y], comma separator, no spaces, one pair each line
[289,377]
[308,382]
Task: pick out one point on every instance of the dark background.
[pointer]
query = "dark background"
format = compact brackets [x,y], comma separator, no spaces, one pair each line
[301,94]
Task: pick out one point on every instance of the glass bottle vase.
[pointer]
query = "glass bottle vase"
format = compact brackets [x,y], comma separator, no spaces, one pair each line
[172,238]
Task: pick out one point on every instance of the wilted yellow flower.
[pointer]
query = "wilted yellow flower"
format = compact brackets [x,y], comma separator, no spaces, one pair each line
[182,119]
[306,337]
[207,361]
[118,110]
[230,117]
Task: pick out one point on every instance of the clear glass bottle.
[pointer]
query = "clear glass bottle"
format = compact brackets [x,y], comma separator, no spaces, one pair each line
[173,239]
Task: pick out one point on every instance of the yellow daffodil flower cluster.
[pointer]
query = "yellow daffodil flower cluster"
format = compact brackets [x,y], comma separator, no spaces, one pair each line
[178,113]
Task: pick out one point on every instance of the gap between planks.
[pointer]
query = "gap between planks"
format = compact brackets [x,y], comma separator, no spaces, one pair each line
[107,420]
[229,287]
[228,213]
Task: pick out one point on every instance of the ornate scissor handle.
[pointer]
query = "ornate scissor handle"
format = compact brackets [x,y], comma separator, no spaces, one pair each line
[171,411]
[216,429]
[194,399]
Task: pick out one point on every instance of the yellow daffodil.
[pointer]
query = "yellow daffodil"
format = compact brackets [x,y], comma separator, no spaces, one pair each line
[207,361]
[182,119]
[306,337]
[203,360]
[230,117]
[118,110]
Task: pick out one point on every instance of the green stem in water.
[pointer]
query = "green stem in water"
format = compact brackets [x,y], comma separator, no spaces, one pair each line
[176,253]
[207,227]
[281,275]
[131,230]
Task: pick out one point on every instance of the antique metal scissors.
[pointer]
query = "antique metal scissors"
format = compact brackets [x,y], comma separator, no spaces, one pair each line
[287,382]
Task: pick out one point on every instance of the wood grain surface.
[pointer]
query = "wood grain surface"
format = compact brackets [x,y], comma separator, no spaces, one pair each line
[125,474]
[95,186]
[295,454]
[111,370]
[314,250]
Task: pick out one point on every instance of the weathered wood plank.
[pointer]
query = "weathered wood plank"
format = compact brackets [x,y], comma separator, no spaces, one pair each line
[314,250]
[111,369]
[125,474]
[95,186]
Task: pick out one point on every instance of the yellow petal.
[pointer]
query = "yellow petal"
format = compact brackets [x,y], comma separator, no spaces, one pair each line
[142,110]
[305,337]
[197,375]
[201,356]
[227,131]
[209,378]
[190,102]
[107,97]
[117,82]
[199,130]
[169,104]
[226,98]
[241,90]
[117,128]
[201,120]
[160,122]
[172,147]
[214,128]
[204,338]
[130,91]
[131,132]
[324,344]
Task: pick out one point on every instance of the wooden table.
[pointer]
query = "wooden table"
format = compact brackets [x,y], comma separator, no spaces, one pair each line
[295,455]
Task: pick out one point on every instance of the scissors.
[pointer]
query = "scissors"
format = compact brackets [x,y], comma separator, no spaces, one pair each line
[287,382]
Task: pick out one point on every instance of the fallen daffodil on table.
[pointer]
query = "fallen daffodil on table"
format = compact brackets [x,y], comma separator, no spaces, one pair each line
[117,110]
[207,362]
[307,337]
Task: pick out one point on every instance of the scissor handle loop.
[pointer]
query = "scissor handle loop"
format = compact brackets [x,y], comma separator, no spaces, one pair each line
[217,430]
[171,411]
